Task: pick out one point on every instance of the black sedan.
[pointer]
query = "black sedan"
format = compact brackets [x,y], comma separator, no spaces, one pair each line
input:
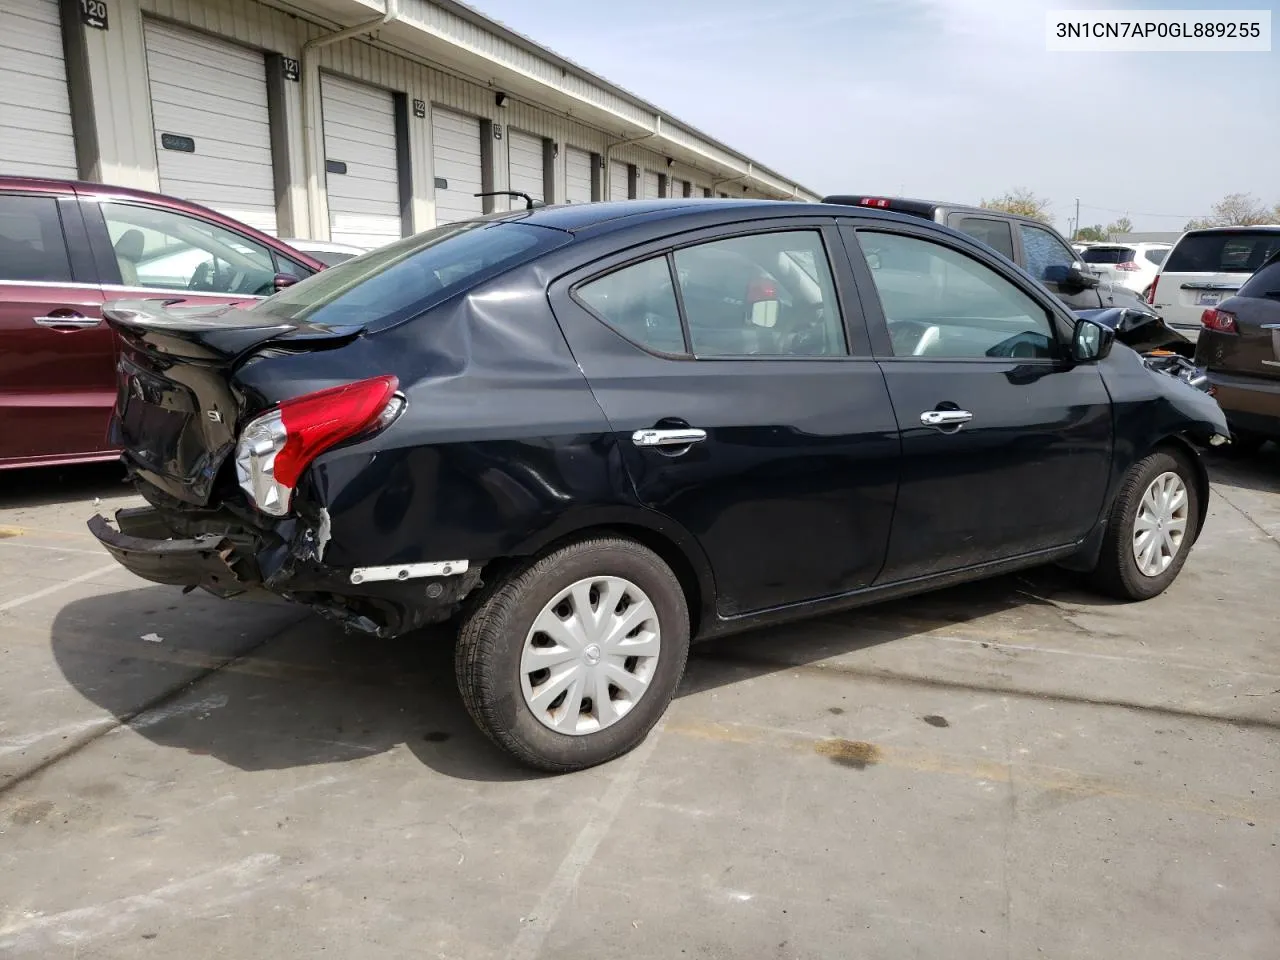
[589,434]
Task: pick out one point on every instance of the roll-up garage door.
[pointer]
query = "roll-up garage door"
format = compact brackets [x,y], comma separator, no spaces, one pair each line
[675,187]
[212,128]
[619,181]
[577,175]
[35,116]
[650,185]
[455,147]
[361,173]
[525,164]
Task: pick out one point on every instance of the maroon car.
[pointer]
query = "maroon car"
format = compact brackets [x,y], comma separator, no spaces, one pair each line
[65,248]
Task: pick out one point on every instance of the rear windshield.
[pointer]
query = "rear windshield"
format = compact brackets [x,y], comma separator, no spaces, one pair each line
[1265,284]
[1223,251]
[401,280]
[1108,254]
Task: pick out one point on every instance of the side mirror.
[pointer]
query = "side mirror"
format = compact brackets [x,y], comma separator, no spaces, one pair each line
[1091,341]
[283,280]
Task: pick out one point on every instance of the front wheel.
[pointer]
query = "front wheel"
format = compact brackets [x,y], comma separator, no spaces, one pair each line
[1152,526]
[571,661]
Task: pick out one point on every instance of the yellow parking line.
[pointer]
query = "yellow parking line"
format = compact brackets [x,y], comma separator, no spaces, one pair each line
[1059,780]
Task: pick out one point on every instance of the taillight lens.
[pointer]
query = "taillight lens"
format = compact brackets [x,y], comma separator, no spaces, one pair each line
[1219,321]
[1151,297]
[276,447]
[1128,266]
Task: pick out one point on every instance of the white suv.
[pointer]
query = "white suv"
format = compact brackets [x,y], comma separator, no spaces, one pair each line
[1130,265]
[1207,266]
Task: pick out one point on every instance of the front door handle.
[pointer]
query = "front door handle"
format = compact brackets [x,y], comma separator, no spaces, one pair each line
[945,418]
[681,437]
[75,320]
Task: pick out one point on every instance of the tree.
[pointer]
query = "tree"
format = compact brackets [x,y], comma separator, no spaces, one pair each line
[1021,201]
[1121,225]
[1094,234]
[1235,210]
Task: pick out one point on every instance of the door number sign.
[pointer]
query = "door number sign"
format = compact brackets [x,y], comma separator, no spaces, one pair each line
[93,13]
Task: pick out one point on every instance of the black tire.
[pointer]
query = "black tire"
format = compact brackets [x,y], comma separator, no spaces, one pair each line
[492,637]
[1117,572]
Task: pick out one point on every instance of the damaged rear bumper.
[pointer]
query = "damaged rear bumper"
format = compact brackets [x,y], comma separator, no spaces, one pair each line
[240,561]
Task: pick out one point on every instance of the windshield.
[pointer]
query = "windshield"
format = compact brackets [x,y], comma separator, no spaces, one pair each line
[1223,251]
[401,280]
[1107,255]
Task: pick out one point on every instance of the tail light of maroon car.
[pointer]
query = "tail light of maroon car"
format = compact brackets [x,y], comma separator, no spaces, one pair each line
[1219,321]
[276,447]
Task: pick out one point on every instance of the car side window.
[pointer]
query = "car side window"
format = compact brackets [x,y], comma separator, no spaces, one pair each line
[996,234]
[1156,255]
[639,302]
[171,251]
[292,268]
[766,294]
[1043,250]
[32,247]
[941,304]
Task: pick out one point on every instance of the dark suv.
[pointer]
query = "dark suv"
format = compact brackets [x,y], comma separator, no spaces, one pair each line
[1042,252]
[65,248]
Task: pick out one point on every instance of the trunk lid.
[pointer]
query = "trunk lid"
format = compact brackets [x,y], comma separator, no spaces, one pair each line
[178,410]
[1254,348]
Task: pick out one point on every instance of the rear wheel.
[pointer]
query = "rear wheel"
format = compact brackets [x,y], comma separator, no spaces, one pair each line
[570,662]
[1152,526]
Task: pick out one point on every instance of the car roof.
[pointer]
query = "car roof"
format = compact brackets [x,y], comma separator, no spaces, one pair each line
[928,208]
[1236,228]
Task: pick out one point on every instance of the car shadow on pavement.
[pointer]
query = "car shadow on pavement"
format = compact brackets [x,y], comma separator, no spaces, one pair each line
[1259,471]
[54,485]
[294,690]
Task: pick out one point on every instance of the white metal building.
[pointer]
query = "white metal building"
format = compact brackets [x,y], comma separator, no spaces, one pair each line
[356,120]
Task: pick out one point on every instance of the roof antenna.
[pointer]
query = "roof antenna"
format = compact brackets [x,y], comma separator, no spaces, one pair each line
[529,202]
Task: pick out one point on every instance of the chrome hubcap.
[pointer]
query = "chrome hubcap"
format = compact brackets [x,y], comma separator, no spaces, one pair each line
[1161,524]
[590,655]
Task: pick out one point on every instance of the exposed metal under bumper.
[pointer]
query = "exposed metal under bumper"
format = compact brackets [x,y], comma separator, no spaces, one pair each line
[384,601]
[409,571]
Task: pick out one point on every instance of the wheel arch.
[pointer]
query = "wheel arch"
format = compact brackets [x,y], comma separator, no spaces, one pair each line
[674,545]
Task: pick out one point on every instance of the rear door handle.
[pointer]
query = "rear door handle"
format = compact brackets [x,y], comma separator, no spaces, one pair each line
[76,321]
[668,438]
[945,418]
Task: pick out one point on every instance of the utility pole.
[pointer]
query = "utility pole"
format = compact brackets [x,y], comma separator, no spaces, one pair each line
[1076,234]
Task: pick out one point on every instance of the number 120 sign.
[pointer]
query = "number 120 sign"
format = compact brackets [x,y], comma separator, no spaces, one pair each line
[93,13]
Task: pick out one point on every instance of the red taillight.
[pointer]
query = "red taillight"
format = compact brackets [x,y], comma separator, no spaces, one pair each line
[1151,297]
[277,446]
[1130,266]
[873,202]
[759,290]
[1218,320]
[317,421]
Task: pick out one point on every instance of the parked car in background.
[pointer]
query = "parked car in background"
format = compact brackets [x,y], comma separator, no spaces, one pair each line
[1129,265]
[1205,267]
[326,251]
[1239,346]
[65,247]
[593,432]
[1045,254]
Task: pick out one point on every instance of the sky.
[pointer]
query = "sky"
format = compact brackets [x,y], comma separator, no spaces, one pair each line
[954,100]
